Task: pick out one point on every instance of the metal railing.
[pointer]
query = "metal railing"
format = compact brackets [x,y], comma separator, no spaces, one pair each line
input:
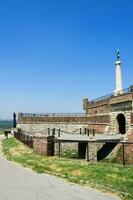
[106,97]
[25,139]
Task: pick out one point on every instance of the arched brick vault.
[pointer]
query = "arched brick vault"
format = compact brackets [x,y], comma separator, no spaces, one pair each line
[114,125]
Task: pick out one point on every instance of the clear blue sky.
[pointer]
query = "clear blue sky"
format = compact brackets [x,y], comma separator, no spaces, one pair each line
[55,52]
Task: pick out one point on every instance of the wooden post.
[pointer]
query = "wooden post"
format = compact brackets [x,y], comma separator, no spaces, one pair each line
[123,154]
[58,132]
[27,140]
[53,131]
[88,132]
[87,151]
[48,131]
[59,148]
[85,131]
[93,132]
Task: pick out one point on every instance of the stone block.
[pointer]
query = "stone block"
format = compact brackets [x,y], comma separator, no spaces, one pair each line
[91,151]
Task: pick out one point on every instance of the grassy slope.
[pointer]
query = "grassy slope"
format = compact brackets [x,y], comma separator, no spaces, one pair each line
[105,176]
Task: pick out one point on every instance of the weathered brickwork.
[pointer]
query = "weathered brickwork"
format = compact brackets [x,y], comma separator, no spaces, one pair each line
[95,108]
[33,125]
[68,128]
[92,151]
[132,118]
[111,114]
[121,98]
[100,115]
[114,124]
[129,149]
[112,106]
[43,119]
[43,145]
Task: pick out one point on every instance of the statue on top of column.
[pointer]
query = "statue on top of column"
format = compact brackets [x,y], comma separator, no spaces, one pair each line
[118,54]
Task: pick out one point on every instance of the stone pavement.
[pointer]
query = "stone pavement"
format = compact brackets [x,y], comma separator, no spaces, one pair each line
[18,183]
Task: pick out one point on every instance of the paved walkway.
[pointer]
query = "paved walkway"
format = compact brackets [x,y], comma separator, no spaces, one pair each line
[18,183]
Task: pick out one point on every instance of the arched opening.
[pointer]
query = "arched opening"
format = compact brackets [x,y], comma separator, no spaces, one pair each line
[121,123]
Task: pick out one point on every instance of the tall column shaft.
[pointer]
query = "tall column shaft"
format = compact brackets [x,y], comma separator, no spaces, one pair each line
[118,89]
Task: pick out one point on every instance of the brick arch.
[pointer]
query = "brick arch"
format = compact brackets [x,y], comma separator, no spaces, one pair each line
[121,120]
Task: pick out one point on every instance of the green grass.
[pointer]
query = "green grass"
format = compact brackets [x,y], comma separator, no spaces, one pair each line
[70,153]
[1,132]
[104,176]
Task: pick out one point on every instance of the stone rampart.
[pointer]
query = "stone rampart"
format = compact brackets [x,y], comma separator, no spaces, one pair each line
[72,128]
[89,119]
[73,125]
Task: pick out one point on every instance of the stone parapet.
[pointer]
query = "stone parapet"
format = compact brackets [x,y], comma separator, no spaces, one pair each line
[44,119]
[121,98]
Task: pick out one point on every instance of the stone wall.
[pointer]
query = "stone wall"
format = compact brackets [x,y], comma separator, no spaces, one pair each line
[34,125]
[43,145]
[114,124]
[48,119]
[111,106]
[129,148]
[121,98]
[91,151]
[68,128]
[99,118]
[101,107]
[131,118]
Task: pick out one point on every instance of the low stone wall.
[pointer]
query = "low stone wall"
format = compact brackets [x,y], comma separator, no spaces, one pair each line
[68,128]
[49,119]
[39,124]
[43,127]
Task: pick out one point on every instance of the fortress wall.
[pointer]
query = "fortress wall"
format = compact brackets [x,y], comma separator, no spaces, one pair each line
[49,119]
[65,127]
[97,108]
[121,98]
[66,124]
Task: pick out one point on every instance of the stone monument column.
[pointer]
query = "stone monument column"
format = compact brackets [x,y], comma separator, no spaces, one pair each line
[118,89]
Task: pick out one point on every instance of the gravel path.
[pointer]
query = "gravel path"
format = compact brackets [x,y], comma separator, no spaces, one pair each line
[18,183]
